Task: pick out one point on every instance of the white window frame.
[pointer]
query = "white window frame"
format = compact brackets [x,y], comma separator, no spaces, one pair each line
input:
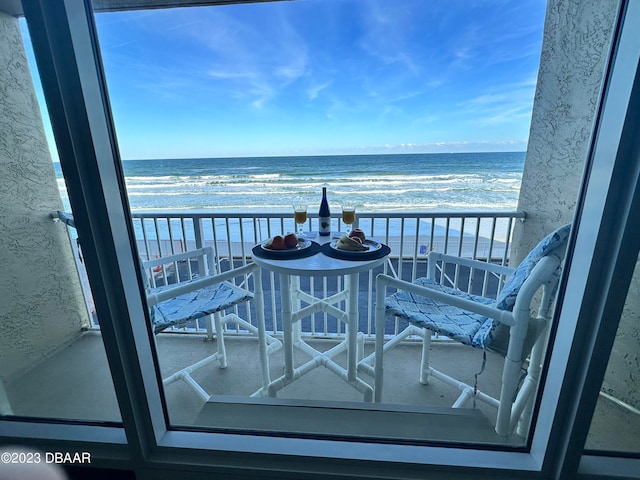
[64,39]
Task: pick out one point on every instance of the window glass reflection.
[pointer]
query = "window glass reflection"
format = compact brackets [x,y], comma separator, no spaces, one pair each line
[52,358]
[616,421]
[203,101]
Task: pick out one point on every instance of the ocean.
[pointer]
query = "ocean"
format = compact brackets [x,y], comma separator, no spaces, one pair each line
[375,183]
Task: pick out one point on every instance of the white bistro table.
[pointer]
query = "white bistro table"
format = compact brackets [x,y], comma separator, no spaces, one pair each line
[291,298]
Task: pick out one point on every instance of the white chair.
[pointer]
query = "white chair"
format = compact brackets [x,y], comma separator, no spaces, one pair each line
[503,325]
[191,296]
[206,294]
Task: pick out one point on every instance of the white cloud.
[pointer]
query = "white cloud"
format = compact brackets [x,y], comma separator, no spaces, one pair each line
[504,103]
[386,36]
[489,99]
[506,116]
[315,90]
[229,75]
[257,60]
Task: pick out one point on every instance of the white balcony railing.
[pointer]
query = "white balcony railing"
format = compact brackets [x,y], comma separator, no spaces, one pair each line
[479,235]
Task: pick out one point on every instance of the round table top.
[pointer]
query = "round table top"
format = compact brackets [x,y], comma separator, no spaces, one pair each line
[318,265]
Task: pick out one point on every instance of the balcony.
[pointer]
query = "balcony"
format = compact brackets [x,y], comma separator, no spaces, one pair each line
[75,379]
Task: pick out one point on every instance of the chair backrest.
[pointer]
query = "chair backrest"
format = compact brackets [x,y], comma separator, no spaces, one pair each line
[553,244]
[153,313]
[206,266]
[494,335]
[180,267]
[148,267]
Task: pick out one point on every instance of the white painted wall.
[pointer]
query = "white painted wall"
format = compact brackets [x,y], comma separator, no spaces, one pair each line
[41,305]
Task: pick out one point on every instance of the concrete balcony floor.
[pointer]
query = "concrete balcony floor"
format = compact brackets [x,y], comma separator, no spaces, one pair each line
[74,383]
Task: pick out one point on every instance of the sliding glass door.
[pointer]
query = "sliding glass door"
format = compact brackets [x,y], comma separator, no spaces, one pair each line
[160,444]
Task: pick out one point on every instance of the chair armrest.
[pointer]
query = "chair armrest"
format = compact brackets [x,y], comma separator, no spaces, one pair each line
[467,262]
[202,282]
[502,316]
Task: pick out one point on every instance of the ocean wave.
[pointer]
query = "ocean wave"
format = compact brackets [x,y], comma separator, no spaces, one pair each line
[376,183]
[307,179]
[370,186]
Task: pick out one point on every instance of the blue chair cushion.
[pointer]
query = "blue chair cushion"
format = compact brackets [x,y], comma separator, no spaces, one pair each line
[553,244]
[495,335]
[466,327]
[196,304]
[437,316]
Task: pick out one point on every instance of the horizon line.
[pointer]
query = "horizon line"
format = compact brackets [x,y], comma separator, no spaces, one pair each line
[313,155]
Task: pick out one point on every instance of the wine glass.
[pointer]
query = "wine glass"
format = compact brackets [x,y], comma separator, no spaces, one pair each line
[300,217]
[348,215]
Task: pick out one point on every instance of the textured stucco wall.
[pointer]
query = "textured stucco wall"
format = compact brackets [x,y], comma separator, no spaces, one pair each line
[41,305]
[622,379]
[577,37]
[576,45]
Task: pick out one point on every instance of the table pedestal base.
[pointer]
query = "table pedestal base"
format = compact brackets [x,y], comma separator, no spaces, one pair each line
[292,314]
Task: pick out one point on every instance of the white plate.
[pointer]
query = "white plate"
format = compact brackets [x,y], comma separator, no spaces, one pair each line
[302,244]
[371,245]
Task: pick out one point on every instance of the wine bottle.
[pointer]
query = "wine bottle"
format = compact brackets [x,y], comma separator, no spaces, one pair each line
[324,215]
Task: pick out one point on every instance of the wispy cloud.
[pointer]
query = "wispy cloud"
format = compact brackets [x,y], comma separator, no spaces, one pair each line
[498,34]
[505,116]
[229,75]
[245,59]
[508,102]
[314,91]
[261,93]
[386,38]
[432,147]
[488,99]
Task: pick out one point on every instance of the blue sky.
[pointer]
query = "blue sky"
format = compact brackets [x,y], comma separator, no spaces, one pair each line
[323,77]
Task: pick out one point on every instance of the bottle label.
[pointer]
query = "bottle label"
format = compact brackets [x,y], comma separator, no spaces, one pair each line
[325,225]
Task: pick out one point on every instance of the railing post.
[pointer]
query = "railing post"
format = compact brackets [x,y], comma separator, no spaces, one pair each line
[197,231]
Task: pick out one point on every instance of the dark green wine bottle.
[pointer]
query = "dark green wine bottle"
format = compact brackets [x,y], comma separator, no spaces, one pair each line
[324,215]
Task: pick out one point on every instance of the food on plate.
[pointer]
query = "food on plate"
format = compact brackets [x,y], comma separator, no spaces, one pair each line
[350,244]
[277,243]
[356,232]
[357,239]
[290,240]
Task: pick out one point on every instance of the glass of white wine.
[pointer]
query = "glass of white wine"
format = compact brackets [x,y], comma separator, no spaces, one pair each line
[348,215]
[300,217]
